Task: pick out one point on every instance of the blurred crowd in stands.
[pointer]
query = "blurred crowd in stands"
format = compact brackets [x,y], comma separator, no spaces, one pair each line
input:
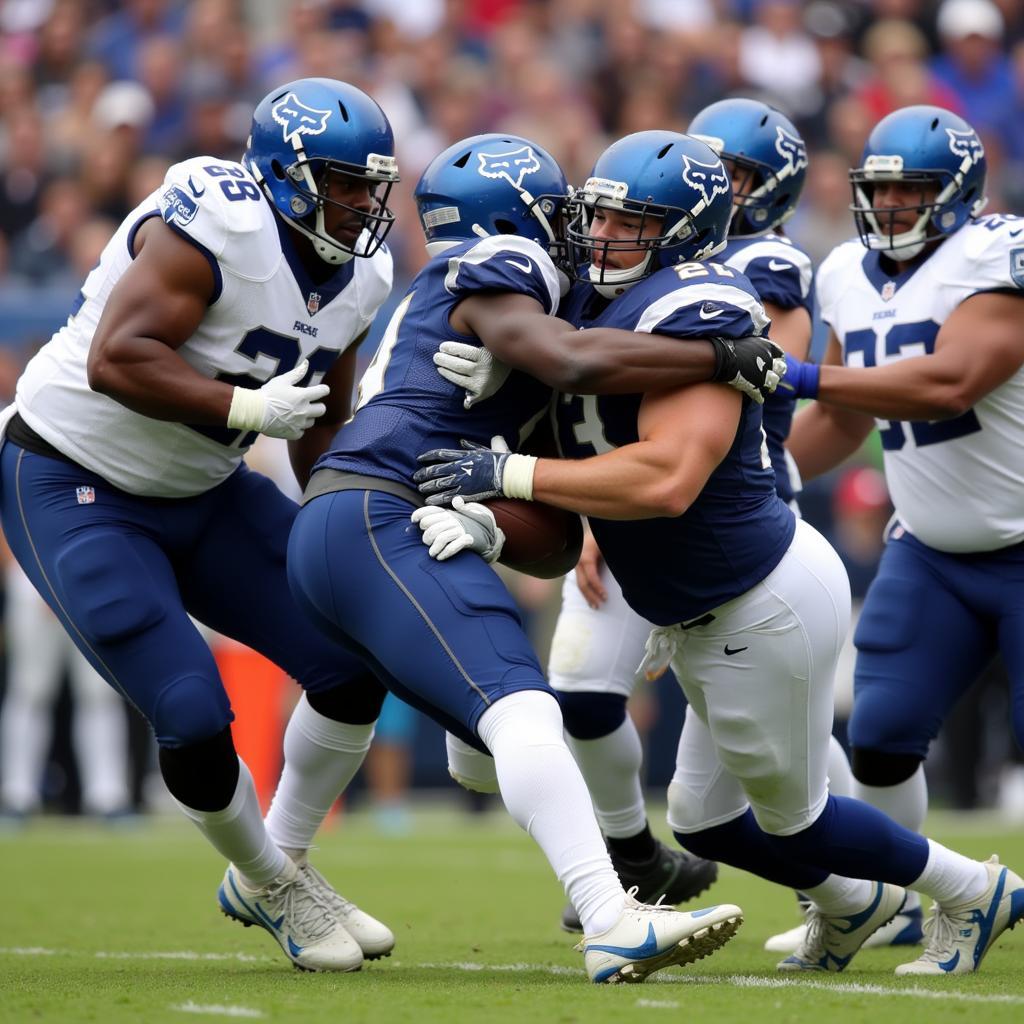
[99,97]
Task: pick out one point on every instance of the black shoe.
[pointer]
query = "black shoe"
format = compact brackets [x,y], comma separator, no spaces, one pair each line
[674,874]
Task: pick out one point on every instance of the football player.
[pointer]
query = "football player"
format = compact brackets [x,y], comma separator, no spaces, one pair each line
[445,634]
[924,312]
[228,303]
[751,605]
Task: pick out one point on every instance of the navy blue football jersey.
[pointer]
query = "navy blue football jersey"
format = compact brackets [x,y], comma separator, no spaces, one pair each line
[781,274]
[404,406]
[676,569]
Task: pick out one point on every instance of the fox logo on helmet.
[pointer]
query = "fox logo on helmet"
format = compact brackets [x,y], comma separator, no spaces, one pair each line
[513,166]
[297,119]
[708,179]
[791,149]
[965,144]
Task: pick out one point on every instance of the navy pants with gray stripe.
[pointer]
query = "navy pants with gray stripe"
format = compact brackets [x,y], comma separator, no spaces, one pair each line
[446,637]
[123,574]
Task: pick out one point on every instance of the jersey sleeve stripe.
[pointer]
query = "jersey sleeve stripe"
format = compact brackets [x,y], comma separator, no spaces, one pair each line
[692,294]
[488,247]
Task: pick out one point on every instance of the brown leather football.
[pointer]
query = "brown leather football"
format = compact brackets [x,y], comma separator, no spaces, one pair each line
[540,540]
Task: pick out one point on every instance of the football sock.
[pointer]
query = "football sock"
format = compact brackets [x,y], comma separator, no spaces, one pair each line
[611,767]
[320,758]
[906,803]
[838,895]
[237,833]
[949,877]
[544,792]
[636,849]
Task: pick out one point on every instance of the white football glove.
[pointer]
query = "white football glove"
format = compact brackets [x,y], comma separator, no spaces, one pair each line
[470,367]
[280,408]
[466,524]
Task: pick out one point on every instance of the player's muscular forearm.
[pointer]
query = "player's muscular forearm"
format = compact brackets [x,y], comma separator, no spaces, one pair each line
[822,437]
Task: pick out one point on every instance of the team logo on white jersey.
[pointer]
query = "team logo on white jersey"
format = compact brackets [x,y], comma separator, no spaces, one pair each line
[709,180]
[965,144]
[791,149]
[513,166]
[1017,267]
[297,119]
[177,206]
[313,302]
[85,495]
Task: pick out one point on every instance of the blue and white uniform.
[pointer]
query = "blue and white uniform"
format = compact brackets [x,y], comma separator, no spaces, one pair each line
[752,605]
[126,524]
[597,650]
[949,593]
[446,637]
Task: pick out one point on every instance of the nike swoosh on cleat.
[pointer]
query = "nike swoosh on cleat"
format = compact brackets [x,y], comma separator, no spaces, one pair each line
[526,268]
[293,948]
[950,964]
[646,948]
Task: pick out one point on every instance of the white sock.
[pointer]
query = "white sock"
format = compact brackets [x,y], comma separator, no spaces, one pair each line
[840,778]
[839,896]
[237,833]
[611,768]
[949,877]
[906,803]
[544,792]
[320,758]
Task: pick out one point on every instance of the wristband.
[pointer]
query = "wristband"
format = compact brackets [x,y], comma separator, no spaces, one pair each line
[517,476]
[246,412]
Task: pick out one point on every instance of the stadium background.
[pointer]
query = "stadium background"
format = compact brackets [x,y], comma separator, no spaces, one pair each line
[98,98]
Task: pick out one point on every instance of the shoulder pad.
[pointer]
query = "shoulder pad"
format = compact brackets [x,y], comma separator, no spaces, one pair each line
[507,263]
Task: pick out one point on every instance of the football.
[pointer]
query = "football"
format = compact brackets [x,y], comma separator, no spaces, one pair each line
[540,540]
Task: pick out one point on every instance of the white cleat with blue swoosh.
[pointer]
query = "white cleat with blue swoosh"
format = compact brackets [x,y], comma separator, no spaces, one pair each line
[647,938]
[960,936]
[831,941]
[297,915]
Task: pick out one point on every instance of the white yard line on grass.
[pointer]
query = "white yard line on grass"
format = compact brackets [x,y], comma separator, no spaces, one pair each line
[220,1011]
[180,954]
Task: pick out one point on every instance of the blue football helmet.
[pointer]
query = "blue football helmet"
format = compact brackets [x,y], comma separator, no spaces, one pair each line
[303,132]
[673,179]
[929,147]
[493,185]
[765,156]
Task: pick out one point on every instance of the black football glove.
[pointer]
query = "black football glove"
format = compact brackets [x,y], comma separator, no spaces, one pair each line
[752,365]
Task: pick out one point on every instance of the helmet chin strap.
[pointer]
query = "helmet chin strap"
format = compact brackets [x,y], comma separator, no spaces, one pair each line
[610,284]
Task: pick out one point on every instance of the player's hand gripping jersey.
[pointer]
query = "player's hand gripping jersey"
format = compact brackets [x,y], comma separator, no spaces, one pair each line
[266,316]
[957,483]
[404,406]
[735,533]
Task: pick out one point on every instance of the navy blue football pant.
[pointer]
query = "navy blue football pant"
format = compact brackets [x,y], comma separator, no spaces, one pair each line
[123,574]
[446,637]
[931,623]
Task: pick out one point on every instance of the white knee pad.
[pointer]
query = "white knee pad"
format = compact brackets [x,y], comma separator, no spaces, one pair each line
[469,768]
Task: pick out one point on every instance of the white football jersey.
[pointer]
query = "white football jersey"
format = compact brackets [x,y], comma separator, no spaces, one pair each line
[957,484]
[265,318]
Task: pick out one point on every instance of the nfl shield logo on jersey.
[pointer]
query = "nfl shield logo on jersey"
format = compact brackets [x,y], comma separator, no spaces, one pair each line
[85,495]
[313,302]
[888,290]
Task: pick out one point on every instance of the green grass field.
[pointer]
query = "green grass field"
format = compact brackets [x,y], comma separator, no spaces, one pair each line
[123,926]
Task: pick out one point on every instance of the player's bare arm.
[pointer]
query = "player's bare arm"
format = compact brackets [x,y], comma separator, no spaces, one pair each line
[979,347]
[824,435]
[304,452]
[791,329]
[153,310]
[516,329]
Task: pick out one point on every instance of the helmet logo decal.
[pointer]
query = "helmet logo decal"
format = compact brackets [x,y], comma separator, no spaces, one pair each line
[709,180]
[791,149]
[965,144]
[513,166]
[297,119]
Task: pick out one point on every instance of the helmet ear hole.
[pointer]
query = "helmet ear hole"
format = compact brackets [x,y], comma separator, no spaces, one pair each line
[278,170]
[505,227]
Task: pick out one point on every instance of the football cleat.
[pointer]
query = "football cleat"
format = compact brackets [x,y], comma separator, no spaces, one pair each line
[903,930]
[298,917]
[960,935]
[647,938]
[375,938]
[672,875]
[832,940]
